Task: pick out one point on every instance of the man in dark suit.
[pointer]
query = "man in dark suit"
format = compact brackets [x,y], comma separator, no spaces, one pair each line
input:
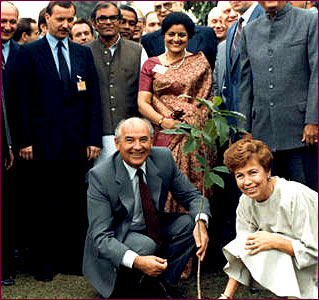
[248,11]
[122,250]
[61,132]
[203,40]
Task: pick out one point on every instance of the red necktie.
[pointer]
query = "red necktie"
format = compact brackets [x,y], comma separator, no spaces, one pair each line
[149,211]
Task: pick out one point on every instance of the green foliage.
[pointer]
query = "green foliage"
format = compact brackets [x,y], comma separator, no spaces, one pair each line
[200,9]
[216,131]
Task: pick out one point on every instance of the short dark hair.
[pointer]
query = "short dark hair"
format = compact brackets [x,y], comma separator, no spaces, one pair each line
[239,153]
[178,18]
[104,4]
[131,9]
[24,25]
[64,4]
[82,21]
[41,19]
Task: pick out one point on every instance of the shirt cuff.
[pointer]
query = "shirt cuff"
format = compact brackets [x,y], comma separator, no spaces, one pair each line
[202,217]
[128,258]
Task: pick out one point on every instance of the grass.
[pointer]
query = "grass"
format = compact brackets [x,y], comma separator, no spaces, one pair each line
[77,287]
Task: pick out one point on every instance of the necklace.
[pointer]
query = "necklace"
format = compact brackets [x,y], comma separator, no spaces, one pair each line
[175,67]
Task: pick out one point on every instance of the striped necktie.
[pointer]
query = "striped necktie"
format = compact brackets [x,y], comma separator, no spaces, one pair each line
[236,38]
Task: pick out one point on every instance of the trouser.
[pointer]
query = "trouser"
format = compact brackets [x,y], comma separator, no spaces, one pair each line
[299,165]
[178,245]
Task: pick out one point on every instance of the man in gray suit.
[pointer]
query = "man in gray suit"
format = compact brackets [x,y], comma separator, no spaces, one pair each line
[279,88]
[118,240]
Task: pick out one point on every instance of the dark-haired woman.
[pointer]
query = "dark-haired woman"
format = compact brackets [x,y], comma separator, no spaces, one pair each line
[277,228]
[163,79]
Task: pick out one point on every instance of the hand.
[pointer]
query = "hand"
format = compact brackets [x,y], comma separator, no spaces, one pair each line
[260,241]
[150,265]
[92,152]
[169,123]
[201,239]
[26,153]
[8,162]
[310,134]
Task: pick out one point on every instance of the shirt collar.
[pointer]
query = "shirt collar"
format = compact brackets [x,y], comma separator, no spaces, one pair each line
[132,171]
[6,46]
[246,15]
[53,42]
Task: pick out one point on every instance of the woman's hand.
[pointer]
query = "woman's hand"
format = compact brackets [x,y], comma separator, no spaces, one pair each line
[169,123]
[264,240]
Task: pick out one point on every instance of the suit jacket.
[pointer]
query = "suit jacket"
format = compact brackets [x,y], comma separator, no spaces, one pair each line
[110,210]
[50,122]
[279,77]
[232,67]
[203,40]
[11,84]
[219,70]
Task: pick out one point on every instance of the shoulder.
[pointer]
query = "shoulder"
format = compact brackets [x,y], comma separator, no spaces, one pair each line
[36,44]
[161,157]
[131,45]
[204,30]
[295,194]
[150,36]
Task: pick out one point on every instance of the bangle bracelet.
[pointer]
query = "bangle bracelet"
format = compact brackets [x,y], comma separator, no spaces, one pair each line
[223,295]
[161,121]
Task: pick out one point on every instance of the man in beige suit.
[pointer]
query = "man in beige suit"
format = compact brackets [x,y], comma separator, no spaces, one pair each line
[118,62]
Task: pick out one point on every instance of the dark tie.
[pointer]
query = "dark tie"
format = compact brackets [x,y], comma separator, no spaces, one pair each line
[236,38]
[64,71]
[3,63]
[149,211]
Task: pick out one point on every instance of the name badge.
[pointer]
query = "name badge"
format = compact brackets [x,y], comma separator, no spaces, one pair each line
[160,69]
[80,84]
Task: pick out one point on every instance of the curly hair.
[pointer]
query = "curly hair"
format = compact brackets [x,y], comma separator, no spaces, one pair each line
[178,18]
[239,153]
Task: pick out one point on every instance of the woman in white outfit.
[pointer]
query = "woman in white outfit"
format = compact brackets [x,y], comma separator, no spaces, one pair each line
[276,246]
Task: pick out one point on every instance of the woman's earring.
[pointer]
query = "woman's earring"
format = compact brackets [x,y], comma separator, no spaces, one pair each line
[268,177]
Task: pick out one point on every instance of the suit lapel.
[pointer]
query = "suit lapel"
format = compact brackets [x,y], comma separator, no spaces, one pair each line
[46,56]
[126,193]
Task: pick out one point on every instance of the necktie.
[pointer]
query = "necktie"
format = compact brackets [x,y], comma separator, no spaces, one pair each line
[150,214]
[3,63]
[64,71]
[236,37]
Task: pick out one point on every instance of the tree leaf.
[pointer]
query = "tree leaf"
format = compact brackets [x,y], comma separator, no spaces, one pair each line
[175,131]
[222,169]
[198,170]
[216,179]
[222,129]
[217,101]
[202,160]
[191,145]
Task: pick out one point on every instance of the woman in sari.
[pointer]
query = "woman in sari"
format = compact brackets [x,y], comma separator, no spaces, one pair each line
[163,79]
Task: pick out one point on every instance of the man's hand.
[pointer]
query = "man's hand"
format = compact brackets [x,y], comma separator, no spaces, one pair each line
[201,239]
[26,153]
[92,152]
[8,162]
[150,265]
[310,134]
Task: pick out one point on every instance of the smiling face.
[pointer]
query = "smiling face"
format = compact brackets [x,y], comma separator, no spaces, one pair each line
[127,24]
[176,39]
[134,143]
[216,22]
[229,16]
[164,8]
[60,21]
[9,21]
[252,180]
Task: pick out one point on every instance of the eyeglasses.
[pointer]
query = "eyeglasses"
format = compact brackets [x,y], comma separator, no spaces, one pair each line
[166,5]
[103,19]
[130,22]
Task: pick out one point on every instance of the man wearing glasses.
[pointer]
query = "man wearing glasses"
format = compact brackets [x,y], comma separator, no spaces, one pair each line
[203,40]
[118,62]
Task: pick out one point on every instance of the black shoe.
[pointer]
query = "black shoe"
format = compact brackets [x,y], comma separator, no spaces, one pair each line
[7,281]
[155,288]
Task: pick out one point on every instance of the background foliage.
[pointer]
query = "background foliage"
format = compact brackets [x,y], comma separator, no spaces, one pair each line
[200,9]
